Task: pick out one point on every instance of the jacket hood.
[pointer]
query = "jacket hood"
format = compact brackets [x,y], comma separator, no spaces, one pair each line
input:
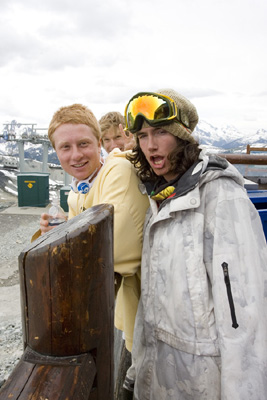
[215,167]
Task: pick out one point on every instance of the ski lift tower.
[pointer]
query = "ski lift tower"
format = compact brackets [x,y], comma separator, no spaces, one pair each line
[33,188]
[29,135]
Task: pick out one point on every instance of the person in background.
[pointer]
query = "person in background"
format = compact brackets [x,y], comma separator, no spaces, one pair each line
[113,135]
[201,325]
[75,135]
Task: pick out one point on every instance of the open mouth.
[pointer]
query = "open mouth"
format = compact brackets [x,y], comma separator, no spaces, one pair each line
[157,161]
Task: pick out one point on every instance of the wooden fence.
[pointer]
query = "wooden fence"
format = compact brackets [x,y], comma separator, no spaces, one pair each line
[250,148]
[251,159]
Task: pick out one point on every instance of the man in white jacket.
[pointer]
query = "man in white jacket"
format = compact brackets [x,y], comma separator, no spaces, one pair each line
[201,325]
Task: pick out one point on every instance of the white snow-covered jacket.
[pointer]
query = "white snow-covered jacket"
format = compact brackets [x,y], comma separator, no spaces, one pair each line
[201,326]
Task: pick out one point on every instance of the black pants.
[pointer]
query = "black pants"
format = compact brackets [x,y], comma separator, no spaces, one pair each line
[122,361]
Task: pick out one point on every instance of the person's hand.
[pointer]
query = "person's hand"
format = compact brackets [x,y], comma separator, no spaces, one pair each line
[44,223]
[129,140]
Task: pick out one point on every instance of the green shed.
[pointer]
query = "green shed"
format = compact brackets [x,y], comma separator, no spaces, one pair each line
[33,189]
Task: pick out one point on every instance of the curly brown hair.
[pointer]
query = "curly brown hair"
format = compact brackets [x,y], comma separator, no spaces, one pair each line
[181,158]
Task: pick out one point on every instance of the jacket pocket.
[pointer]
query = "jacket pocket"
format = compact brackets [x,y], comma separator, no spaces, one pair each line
[199,347]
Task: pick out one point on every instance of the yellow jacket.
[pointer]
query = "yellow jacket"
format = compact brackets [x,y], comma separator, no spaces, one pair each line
[117,184]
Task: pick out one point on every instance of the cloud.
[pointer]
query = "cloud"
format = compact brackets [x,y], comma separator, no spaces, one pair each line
[14,46]
[57,35]
[201,92]
[261,94]
[57,52]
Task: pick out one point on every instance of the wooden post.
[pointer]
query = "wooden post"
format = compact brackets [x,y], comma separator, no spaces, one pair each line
[67,299]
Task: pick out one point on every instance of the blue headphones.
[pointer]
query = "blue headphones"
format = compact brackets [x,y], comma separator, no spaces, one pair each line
[85,185]
[81,186]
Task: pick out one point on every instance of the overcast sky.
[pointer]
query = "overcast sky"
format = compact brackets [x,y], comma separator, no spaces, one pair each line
[100,53]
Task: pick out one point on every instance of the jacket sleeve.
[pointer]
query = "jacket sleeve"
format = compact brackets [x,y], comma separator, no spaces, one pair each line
[236,264]
[119,187]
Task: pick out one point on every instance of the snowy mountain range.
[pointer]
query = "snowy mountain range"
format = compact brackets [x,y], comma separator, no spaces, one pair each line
[217,140]
[224,140]
[228,139]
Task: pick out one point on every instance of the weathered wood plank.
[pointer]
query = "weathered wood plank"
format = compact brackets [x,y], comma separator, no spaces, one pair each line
[16,381]
[52,378]
[67,300]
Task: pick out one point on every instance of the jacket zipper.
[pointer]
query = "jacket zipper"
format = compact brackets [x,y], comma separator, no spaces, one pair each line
[229,294]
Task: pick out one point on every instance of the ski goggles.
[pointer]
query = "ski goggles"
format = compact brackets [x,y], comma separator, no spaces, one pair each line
[155,108]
